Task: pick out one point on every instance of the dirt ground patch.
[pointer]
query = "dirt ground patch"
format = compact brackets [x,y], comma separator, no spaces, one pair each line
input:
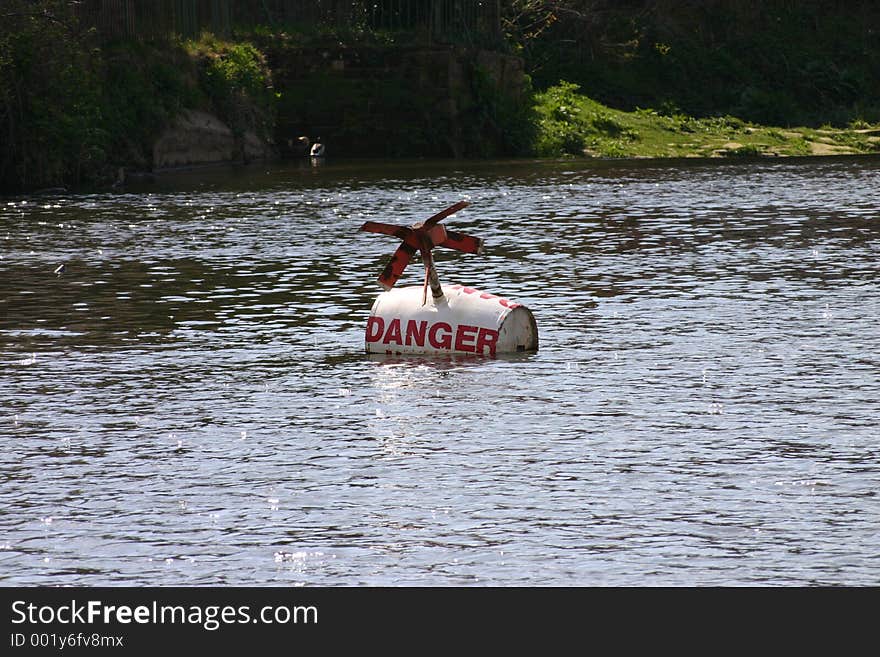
[822,148]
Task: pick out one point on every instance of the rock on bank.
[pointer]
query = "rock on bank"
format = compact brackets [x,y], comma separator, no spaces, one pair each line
[197,137]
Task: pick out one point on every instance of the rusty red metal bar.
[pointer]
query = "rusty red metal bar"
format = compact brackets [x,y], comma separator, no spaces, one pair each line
[422,237]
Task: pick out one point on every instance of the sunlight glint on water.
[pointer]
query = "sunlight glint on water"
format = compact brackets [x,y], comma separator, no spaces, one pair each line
[189,402]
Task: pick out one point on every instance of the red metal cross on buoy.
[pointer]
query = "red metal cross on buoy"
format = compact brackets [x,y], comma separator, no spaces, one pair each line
[423,237]
[459,320]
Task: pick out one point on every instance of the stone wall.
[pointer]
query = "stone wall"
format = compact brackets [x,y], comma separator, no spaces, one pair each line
[362,102]
[198,138]
[369,101]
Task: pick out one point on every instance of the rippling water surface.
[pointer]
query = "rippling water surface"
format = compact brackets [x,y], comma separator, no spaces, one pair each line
[189,401]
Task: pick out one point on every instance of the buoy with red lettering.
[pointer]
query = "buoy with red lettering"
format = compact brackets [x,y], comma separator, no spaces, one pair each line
[453,319]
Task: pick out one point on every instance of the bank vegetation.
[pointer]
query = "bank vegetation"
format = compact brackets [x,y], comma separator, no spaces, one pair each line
[605,78]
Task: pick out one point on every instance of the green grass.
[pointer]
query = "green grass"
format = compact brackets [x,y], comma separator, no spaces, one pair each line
[238,81]
[570,123]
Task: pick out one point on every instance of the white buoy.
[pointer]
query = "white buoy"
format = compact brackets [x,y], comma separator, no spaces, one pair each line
[453,319]
[463,321]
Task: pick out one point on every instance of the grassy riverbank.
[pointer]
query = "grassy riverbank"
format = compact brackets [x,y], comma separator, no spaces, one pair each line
[571,123]
[650,78]
[776,62]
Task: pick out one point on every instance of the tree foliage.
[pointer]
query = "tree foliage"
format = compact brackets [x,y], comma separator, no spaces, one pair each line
[779,62]
[49,96]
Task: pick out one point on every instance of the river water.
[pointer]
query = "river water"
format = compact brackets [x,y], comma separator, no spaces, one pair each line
[189,402]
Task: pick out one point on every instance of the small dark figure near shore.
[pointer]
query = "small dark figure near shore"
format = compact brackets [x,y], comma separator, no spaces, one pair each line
[298,147]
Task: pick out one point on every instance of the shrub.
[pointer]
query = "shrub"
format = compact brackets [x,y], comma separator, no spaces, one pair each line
[570,121]
[50,91]
[749,150]
[238,82]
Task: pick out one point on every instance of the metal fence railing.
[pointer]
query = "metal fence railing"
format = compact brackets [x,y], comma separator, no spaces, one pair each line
[476,22]
[146,21]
